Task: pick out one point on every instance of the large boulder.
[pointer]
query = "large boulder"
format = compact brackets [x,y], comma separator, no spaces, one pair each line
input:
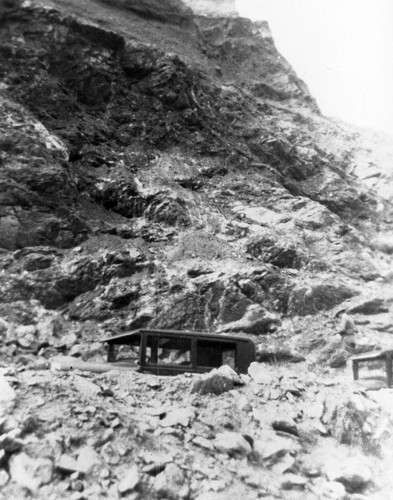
[318,295]
[356,420]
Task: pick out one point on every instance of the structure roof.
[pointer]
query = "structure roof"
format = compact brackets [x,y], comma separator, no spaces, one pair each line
[212,336]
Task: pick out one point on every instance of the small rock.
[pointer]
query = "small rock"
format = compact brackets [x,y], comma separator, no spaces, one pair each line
[130,480]
[347,325]
[110,453]
[279,355]
[203,442]
[293,481]
[283,465]
[107,436]
[311,471]
[77,485]
[30,473]
[4,326]
[66,340]
[84,386]
[25,330]
[156,462]
[215,384]
[76,350]
[232,443]
[170,482]
[228,372]
[9,441]
[273,394]
[274,448]
[156,412]
[356,420]
[244,404]
[4,478]
[330,490]
[181,416]
[87,459]
[259,373]
[7,397]
[154,384]
[68,464]
[354,475]
[287,426]
[154,469]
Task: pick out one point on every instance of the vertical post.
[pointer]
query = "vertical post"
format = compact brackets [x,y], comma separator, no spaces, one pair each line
[388,364]
[193,353]
[355,369]
[142,352]
[111,353]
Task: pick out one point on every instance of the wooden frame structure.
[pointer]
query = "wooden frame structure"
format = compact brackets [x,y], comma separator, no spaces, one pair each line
[386,356]
[196,351]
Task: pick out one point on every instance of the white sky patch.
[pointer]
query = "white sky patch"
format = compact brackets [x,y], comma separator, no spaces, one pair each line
[342,49]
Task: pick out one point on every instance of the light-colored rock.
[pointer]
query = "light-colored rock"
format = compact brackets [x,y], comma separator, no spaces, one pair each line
[129,481]
[259,373]
[356,420]
[217,381]
[273,447]
[257,320]
[203,442]
[85,387]
[293,481]
[330,490]
[156,462]
[355,474]
[87,459]
[4,326]
[67,340]
[171,482]
[68,464]
[244,403]
[179,416]
[232,443]
[219,8]
[4,478]
[25,330]
[227,371]
[7,397]
[110,453]
[289,426]
[283,465]
[29,472]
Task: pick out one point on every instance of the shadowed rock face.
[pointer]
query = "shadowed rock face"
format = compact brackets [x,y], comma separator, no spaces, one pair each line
[137,128]
[166,11]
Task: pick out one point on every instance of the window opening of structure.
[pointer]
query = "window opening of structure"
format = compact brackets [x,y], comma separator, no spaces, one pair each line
[168,350]
[215,354]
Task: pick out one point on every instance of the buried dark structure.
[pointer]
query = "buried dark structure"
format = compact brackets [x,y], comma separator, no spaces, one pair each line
[169,352]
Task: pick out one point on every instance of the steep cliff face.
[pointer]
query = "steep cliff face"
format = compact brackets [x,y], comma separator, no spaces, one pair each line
[208,150]
[163,168]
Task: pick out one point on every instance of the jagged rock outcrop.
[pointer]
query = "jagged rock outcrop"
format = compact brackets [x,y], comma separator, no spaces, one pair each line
[218,8]
[110,134]
[161,167]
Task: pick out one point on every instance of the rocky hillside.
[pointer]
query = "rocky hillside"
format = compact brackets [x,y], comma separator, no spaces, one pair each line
[160,168]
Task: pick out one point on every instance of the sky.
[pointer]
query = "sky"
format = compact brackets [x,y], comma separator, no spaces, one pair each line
[342,49]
